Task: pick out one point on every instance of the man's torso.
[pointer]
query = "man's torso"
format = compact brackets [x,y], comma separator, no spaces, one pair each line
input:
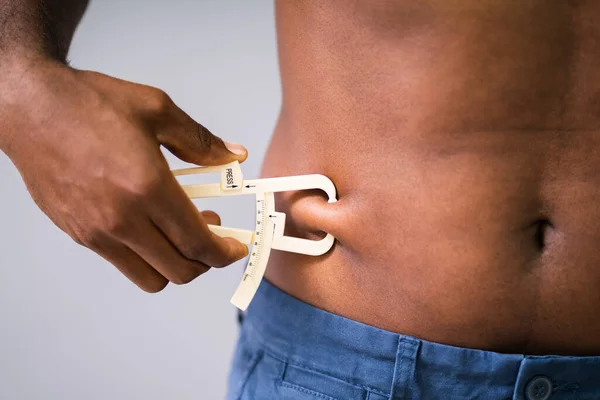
[464,142]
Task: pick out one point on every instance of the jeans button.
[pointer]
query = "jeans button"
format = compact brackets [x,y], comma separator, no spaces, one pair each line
[539,388]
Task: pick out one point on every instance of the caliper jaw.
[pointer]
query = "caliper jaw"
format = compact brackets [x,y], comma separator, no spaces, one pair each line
[269,233]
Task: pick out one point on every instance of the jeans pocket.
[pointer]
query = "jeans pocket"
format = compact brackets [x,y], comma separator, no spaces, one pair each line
[302,383]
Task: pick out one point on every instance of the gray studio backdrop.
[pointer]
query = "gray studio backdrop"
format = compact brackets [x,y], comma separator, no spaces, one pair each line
[71,327]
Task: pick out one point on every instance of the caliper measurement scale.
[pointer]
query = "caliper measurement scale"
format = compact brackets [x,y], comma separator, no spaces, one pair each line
[270,224]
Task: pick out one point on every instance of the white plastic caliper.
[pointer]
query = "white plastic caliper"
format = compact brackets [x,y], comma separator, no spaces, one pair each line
[269,223]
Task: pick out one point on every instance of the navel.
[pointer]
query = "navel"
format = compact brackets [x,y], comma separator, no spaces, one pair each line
[542,228]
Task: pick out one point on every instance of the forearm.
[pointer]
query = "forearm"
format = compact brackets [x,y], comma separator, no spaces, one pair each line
[31,29]
[33,35]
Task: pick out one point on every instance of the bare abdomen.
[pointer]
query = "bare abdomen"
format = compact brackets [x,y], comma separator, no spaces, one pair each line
[466,153]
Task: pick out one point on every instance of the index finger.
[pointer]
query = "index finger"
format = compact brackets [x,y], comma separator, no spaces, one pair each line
[176,216]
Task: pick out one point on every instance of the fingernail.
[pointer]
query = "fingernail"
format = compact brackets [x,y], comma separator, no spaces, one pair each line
[235,148]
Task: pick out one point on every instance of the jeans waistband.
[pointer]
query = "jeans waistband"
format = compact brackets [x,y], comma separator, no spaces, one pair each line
[407,367]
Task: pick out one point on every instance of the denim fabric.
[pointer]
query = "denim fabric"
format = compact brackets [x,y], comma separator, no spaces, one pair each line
[290,350]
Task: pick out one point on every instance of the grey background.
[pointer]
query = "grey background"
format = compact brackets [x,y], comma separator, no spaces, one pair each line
[71,326]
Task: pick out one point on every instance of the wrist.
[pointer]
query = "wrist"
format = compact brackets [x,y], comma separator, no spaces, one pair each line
[23,81]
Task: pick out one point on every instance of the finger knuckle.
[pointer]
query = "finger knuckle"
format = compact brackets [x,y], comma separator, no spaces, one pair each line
[144,184]
[90,238]
[185,275]
[207,139]
[152,286]
[78,239]
[159,101]
[107,219]
[115,223]
[223,263]
[195,251]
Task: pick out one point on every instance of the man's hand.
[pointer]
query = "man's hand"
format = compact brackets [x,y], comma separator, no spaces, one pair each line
[87,147]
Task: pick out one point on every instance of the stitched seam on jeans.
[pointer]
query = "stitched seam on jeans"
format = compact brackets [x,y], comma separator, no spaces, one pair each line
[305,390]
[398,370]
[253,363]
[402,367]
[310,369]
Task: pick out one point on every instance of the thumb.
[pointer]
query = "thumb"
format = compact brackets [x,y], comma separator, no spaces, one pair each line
[193,143]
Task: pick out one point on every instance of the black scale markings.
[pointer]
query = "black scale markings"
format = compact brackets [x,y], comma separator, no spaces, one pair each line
[258,239]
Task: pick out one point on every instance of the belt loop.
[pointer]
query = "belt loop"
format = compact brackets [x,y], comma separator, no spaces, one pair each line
[404,368]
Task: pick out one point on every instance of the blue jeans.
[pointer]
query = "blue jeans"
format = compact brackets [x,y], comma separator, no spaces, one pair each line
[290,350]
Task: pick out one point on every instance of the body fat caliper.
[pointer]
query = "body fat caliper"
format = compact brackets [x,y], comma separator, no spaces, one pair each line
[269,232]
